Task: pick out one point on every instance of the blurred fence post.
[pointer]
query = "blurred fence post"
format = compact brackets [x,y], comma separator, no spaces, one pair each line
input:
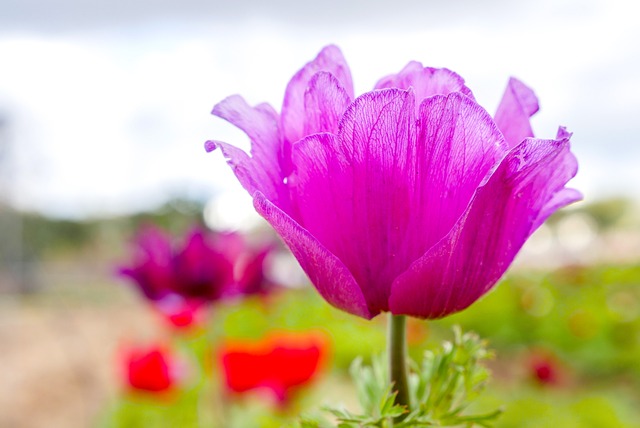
[15,271]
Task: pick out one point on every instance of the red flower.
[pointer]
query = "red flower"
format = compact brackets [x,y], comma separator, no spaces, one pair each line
[544,372]
[150,369]
[280,363]
[544,368]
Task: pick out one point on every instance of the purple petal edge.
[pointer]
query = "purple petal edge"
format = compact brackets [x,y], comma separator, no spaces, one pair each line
[518,104]
[327,273]
[527,186]
[260,169]
[210,145]
[331,60]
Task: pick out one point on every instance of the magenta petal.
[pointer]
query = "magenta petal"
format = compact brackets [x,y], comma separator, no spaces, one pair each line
[324,102]
[352,190]
[152,272]
[458,145]
[251,278]
[328,274]
[330,60]
[155,244]
[561,199]
[518,104]
[425,81]
[260,171]
[232,244]
[201,271]
[502,215]
[563,133]
[260,123]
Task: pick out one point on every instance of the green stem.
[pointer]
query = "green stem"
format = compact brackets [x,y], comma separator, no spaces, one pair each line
[398,359]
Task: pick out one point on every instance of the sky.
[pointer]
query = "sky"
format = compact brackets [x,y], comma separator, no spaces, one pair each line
[105,104]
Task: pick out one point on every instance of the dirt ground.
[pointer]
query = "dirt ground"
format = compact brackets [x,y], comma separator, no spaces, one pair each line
[58,355]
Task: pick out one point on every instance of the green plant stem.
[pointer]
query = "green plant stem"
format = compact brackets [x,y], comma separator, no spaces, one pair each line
[397,343]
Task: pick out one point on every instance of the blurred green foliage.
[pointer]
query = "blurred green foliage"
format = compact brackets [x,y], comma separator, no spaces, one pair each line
[590,316]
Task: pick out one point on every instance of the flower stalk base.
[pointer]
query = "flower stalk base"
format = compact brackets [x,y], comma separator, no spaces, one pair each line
[397,347]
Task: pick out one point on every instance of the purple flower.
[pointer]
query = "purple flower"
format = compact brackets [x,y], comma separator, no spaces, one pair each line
[152,270]
[173,279]
[207,268]
[248,265]
[410,198]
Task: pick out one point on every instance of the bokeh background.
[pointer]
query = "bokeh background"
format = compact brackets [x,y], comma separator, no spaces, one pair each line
[104,110]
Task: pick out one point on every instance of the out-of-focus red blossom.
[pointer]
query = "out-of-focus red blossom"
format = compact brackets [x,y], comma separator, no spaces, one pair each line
[180,313]
[544,368]
[280,363]
[209,266]
[151,369]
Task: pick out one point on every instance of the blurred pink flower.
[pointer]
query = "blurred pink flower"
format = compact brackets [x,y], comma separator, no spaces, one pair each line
[249,275]
[411,198]
[208,267]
